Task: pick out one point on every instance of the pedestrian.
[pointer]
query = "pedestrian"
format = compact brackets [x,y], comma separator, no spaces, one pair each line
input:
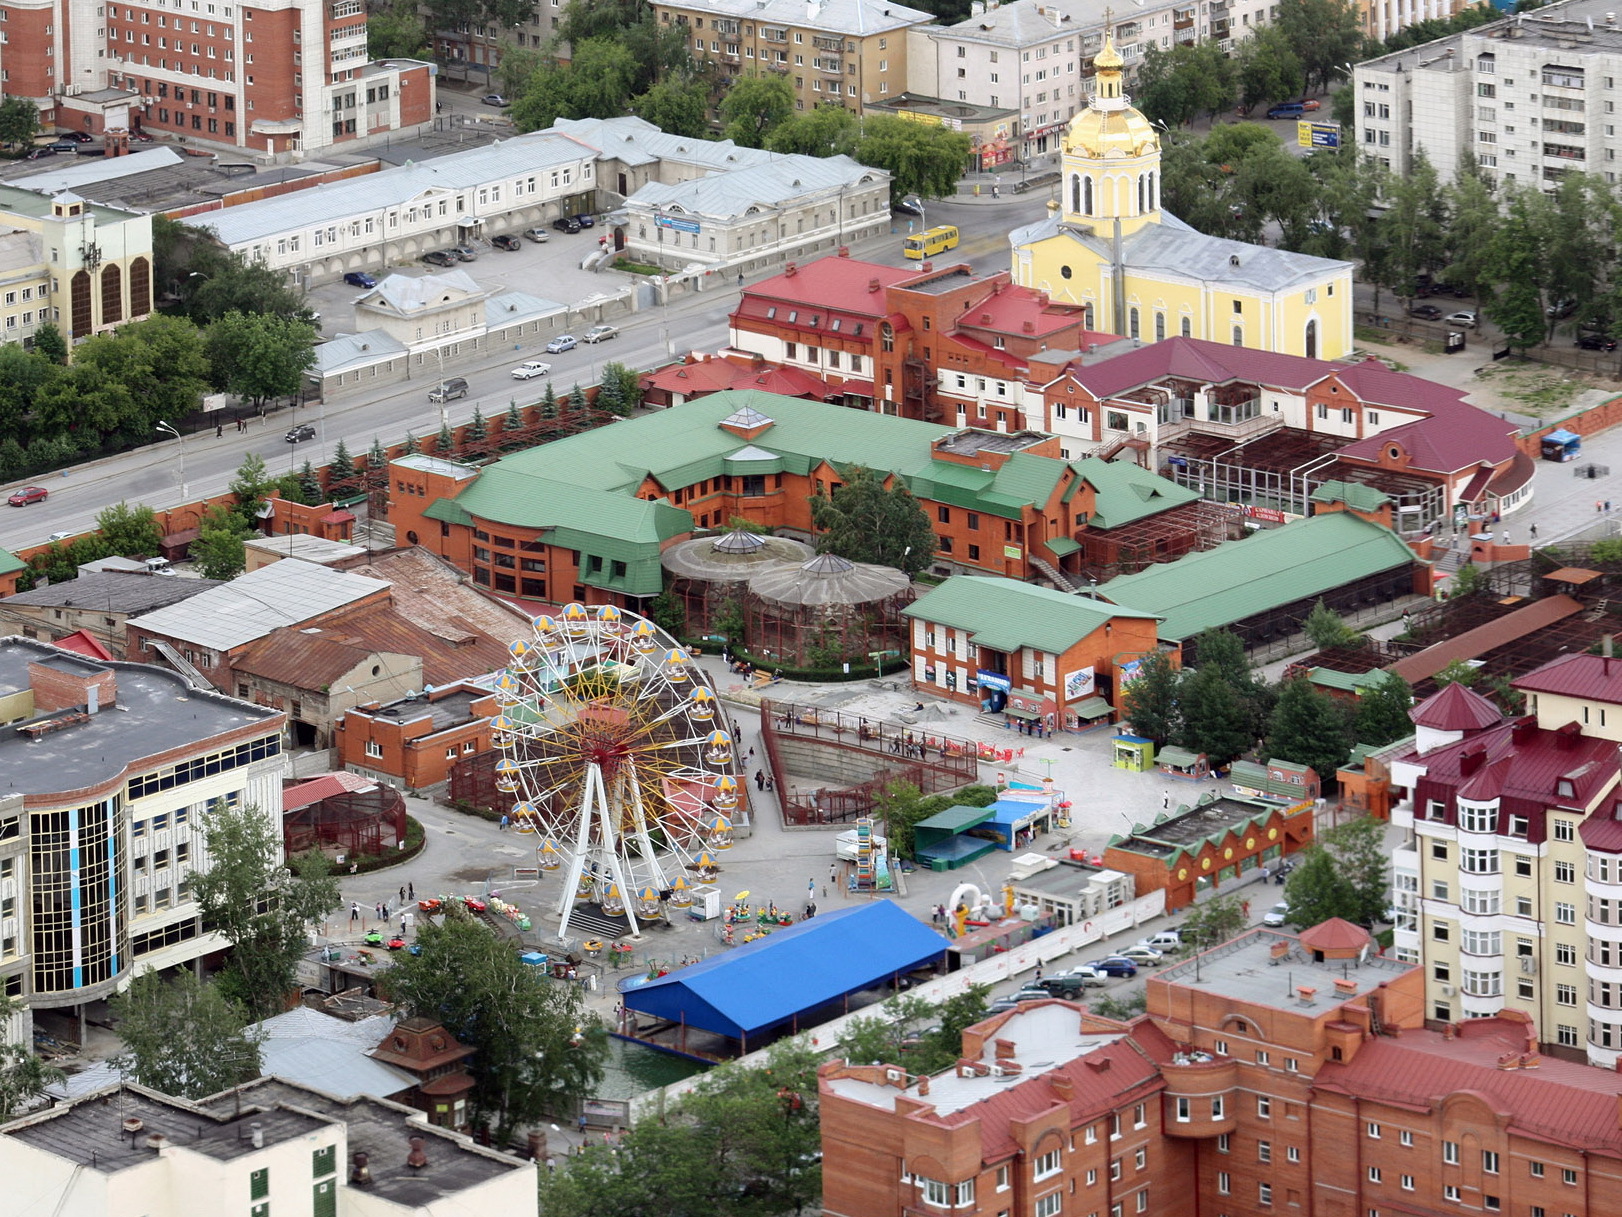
[1599,505]
[1503,537]
[1165,800]
[385,910]
[1534,532]
[1244,908]
[551,1162]
[402,894]
[833,872]
[402,925]
[1039,972]
[219,430]
[354,911]
[760,780]
[411,891]
[582,1124]
[378,909]
[811,889]
[771,783]
[503,821]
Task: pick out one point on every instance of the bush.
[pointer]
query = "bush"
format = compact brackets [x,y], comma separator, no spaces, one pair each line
[861,667]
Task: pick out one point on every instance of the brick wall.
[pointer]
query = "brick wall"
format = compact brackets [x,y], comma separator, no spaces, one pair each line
[56,689]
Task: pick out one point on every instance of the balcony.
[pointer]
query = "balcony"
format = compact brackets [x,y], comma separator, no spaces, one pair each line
[830,67]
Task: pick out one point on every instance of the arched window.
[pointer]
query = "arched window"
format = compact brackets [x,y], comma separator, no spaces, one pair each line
[1087,317]
[1312,339]
[1154,199]
[1141,207]
[1086,196]
[1188,327]
[1238,335]
[1075,192]
[1132,323]
[1160,326]
[112,293]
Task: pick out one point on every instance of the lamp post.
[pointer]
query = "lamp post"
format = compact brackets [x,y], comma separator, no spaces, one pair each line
[185,491]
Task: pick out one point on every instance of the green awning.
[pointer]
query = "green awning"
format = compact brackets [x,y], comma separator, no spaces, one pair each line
[1177,758]
[1029,716]
[1063,546]
[1090,707]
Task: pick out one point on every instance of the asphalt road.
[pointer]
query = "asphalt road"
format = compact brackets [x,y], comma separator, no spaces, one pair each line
[173,472]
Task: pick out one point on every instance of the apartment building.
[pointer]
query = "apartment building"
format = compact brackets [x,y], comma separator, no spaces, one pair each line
[1533,97]
[283,76]
[1509,885]
[850,53]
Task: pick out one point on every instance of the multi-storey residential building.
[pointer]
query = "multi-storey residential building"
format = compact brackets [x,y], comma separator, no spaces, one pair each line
[1533,97]
[277,77]
[1509,886]
[100,877]
[835,52]
[1277,1073]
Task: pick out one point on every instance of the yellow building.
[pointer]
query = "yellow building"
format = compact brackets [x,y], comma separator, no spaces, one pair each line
[837,52]
[79,265]
[1138,271]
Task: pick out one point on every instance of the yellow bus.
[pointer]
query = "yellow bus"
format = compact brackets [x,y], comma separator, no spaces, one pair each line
[930,242]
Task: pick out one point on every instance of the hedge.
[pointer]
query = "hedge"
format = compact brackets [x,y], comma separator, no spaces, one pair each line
[415,839]
[860,669]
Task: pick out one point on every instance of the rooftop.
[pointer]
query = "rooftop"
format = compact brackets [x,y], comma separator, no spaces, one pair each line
[1007,614]
[19,202]
[1563,27]
[306,548]
[1244,970]
[450,710]
[114,592]
[973,443]
[251,606]
[847,285]
[1590,677]
[835,16]
[1171,834]
[1454,707]
[748,188]
[157,713]
[1528,768]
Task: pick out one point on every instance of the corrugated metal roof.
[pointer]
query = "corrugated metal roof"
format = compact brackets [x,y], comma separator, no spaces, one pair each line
[1005,614]
[115,592]
[84,171]
[1592,677]
[345,351]
[1538,615]
[1124,492]
[1356,495]
[1275,567]
[777,182]
[285,593]
[1525,771]
[1455,708]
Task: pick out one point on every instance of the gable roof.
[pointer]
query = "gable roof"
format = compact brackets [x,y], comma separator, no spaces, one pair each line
[1199,359]
[1592,677]
[285,593]
[760,187]
[1005,614]
[842,284]
[1125,492]
[1268,569]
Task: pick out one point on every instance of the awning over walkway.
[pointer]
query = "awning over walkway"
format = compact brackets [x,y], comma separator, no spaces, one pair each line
[1090,707]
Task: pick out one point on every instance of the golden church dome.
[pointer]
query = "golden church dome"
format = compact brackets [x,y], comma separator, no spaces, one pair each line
[1108,126]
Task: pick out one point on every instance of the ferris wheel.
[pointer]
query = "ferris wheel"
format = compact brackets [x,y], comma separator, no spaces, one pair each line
[613,748]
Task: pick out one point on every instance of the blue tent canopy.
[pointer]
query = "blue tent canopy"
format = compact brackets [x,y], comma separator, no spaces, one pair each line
[763,984]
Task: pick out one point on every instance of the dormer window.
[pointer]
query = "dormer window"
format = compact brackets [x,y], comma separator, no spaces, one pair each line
[1565,789]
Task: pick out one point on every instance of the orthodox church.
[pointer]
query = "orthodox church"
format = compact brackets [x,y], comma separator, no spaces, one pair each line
[1139,271]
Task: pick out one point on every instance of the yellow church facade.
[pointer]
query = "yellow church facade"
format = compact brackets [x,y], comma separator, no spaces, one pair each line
[1107,246]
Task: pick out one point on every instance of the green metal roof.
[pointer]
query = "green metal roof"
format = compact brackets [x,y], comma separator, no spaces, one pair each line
[955,818]
[1274,567]
[1349,682]
[1356,495]
[1124,492]
[1062,546]
[1170,754]
[10,562]
[1005,614]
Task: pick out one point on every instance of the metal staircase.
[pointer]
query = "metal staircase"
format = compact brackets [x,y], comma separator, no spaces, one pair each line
[1060,581]
[180,664]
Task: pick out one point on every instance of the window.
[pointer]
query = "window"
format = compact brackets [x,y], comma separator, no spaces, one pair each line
[1047,1164]
[1264,1107]
[934,1191]
[1536,1168]
[1183,1112]
[1565,914]
[1264,1193]
[1489,1161]
[1264,1151]
[1450,1152]
[1374,1130]
[1568,1177]
[1224,1183]
[1565,995]
[1407,1183]
[1217,1108]
[1450,1192]
[1050,1205]
[374,749]
[1406,1139]
[1565,830]
[1565,872]
[1141,1158]
[1224,1143]
[1374,1174]
[259,1184]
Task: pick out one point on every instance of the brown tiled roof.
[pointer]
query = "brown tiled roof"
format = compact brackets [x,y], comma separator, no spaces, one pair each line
[440,599]
[302,660]
[1538,615]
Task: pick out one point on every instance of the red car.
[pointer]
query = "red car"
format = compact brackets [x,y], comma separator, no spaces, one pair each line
[474,904]
[27,495]
[1310,103]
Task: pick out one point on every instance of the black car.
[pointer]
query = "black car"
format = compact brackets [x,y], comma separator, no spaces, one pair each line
[440,257]
[585,220]
[39,154]
[566,224]
[65,144]
[1426,312]
[1596,342]
[300,433]
[80,137]
[907,207]
[505,242]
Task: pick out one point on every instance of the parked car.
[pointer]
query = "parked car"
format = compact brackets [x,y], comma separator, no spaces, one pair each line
[439,257]
[359,278]
[539,235]
[39,154]
[464,253]
[144,136]
[60,536]
[27,495]
[1464,316]
[1427,312]
[1030,993]
[585,220]
[1277,915]
[80,137]
[1165,940]
[907,207]
[1115,966]
[450,390]
[1143,956]
[1087,974]
[1287,109]
[1596,342]
[300,433]
[1002,1004]
[1564,307]
[530,370]
[1310,103]
[64,144]
[601,333]
[507,242]
[493,99]
[1066,986]
[563,342]
[566,224]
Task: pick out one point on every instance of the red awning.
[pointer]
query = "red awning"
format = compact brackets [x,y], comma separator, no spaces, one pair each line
[857,388]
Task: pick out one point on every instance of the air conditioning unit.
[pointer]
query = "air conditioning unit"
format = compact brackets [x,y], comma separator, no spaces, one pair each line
[1529,965]
[1447,990]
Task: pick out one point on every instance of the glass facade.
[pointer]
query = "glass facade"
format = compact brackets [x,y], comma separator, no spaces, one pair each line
[79,931]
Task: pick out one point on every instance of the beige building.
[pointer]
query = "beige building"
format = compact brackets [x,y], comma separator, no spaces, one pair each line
[847,52]
[1509,886]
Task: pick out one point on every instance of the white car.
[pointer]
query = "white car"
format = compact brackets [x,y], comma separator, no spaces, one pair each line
[1465,317]
[1143,956]
[528,371]
[1277,915]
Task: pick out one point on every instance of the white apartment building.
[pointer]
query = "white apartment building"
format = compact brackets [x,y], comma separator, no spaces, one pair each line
[1534,97]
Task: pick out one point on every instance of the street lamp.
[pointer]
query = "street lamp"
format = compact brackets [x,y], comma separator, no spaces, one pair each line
[185,492]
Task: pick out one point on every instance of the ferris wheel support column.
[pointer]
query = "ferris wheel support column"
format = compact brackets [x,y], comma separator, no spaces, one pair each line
[644,841]
[612,861]
[577,864]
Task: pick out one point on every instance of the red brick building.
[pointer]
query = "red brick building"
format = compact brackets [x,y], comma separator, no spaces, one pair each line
[415,742]
[1278,1073]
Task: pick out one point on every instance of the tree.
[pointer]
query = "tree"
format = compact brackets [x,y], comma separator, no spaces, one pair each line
[183,1037]
[512,421]
[24,1076]
[412,444]
[262,906]
[1189,79]
[1317,891]
[820,131]
[1213,922]
[260,356]
[1517,263]
[1457,672]
[669,613]
[579,404]
[620,391]
[549,402]
[1215,719]
[219,283]
[252,485]
[161,364]
[48,341]
[922,160]
[1267,68]
[19,120]
[220,550]
[596,83]
[1273,185]
[1326,35]
[754,107]
[1358,848]
[1225,650]
[539,1050]
[477,427]
[445,441]
[518,66]
[1473,224]
[342,468]
[1307,727]
[1382,712]
[310,488]
[1328,629]
[865,522]
[396,31]
[678,106]
[130,532]
[1150,699]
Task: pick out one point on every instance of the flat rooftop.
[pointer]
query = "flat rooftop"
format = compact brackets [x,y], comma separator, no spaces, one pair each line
[1245,970]
[1065,879]
[1045,1035]
[157,711]
[1554,28]
[115,592]
[1197,824]
[447,711]
[973,443]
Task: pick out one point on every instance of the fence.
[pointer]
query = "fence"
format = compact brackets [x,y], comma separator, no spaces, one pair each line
[1013,962]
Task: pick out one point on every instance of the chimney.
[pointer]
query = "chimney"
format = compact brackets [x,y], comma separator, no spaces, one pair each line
[790,271]
[1005,1049]
[923,1086]
[873,285]
[1472,760]
[155,1141]
[133,1125]
[360,1174]
[256,1134]
[1062,1086]
[418,1157]
[927,267]
[844,251]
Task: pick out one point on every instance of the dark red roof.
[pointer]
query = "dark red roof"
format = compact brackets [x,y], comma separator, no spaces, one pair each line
[1559,1100]
[1455,708]
[1336,934]
[1527,769]
[712,375]
[82,642]
[1007,310]
[1602,832]
[1197,359]
[1588,676]
[1453,435]
[841,284]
